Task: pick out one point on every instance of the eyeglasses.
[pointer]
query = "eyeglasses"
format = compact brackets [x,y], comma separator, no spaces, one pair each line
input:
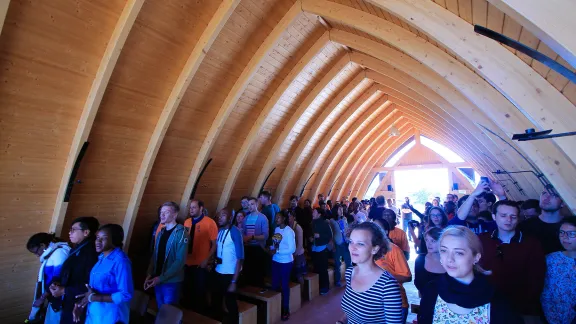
[570,234]
[72,229]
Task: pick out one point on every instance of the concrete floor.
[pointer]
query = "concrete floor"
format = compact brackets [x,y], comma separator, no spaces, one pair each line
[326,309]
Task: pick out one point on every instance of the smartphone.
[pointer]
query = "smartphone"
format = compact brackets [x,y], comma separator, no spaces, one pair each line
[485,179]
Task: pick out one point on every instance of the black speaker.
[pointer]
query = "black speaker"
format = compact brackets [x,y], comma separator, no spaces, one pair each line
[390,188]
[454,186]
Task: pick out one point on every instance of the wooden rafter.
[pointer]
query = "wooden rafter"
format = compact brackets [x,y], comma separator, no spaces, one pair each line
[555,165]
[345,121]
[529,91]
[548,20]
[233,97]
[196,57]
[92,103]
[310,97]
[3,12]
[264,115]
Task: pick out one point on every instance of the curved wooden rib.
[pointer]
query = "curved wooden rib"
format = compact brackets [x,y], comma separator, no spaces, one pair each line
[529,91]
[202,47]
[347,120]
[109,59]
[548,20]
[559,170]
[310,97]
[253,134]
[448,110]
[232,98]
[3,12]
[334,103]
[383,121]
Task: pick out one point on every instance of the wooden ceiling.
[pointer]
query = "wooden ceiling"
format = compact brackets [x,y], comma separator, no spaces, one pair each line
[306,88]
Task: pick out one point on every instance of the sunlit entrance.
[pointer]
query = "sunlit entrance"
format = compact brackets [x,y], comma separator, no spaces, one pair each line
[421,185]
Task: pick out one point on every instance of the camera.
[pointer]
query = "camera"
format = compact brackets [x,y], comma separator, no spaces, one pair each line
[218,260]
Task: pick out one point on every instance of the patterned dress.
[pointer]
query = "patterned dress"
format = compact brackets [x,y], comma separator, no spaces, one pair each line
[559,294]
[443,315]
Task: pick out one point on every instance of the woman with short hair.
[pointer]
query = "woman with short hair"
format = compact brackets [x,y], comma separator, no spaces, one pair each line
[372,294]
[427,267]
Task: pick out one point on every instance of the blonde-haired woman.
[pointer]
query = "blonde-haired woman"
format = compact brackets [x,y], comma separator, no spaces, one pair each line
[463,294]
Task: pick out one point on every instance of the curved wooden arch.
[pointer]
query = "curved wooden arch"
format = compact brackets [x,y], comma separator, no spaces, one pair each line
[529,91]
[92,103]
[555,166]
[265,113]
[232,98]
[360,137]
[196,57]
[548,20]
[353,113]
[318,121]
[310,97]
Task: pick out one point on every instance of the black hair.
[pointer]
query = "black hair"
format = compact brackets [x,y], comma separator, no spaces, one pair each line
[244,197]
[354,199]
[531,203]
[380,200]
[41,238]
[88,223]
[378,237]
[286,215]
[463,199]
[266,194]
[321,202]
[253,198]
[570,220]
[294,197]
[175,207]
[199,202]
[308,200]
[320,211]
[489,197]
[505,203]
[449,205]
[442,213]
[434,233]
[116,233]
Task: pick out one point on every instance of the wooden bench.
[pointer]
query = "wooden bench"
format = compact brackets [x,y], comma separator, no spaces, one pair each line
[295,297]
[194,318]
[248,313]
[269,303]
[311,286]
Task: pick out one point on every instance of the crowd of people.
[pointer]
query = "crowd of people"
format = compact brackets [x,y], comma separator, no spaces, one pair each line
[480,258]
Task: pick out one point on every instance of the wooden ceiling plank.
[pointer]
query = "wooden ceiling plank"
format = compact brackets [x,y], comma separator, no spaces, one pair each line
[92,103]
[264,115]
[191,66]
[232,98]
[500,110]
[479,12]
[298,114]
[3,12]
[465,10]
[548,20]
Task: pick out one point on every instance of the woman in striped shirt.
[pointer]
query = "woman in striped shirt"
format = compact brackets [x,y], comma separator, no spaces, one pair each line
[372,295]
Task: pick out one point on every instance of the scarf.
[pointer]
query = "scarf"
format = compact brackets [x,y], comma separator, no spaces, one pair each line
[479,292]
[192,232]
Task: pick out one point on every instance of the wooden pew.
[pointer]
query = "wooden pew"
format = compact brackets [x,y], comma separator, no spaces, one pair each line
[194,318]
[248,313]
[269,303]
[311,286]
[295,297]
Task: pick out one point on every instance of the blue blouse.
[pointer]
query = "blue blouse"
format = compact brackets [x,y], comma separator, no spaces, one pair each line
[111,275]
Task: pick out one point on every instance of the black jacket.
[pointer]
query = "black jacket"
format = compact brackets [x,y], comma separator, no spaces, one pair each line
[480,289]
[75,275]
[321,227]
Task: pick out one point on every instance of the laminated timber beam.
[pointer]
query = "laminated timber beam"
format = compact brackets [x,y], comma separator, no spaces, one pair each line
[192,65]
[3,12]
[447,107]
[264,115]
[424,166]
[550,159]
[549,20]
[361,109]
[298,114]
[528,91]
[232,99]
[349,145]
[91,105]
[313,129]
[378,112]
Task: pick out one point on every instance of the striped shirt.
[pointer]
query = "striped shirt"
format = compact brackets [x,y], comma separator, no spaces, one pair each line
[379,304]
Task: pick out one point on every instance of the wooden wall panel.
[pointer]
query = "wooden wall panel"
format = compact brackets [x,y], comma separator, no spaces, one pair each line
[47,69]
[154,54]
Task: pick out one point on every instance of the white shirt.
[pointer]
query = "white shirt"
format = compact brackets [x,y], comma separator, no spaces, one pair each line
[287,246]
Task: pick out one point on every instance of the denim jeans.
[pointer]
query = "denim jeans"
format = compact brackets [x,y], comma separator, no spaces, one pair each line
[341,251]
[281,279]
[168,293]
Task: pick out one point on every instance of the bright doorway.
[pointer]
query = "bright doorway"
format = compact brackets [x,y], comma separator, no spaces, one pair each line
[421,185]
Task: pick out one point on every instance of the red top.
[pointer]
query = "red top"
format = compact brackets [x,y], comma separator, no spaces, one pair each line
[518,270]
